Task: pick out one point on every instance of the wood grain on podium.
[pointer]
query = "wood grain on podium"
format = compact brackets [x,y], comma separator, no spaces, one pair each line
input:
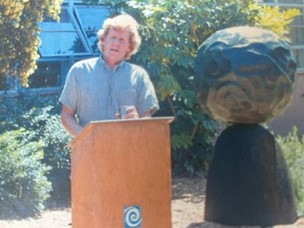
[117,164]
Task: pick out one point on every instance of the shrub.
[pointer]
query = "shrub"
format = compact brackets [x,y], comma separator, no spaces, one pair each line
[57,151]
[57,155]
[39,117]
[23,184]
[293,147]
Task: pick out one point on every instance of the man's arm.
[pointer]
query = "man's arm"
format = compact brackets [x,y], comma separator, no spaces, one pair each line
[69,121]
[147,114]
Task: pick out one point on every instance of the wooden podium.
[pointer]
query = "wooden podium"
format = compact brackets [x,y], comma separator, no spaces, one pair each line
[121,174]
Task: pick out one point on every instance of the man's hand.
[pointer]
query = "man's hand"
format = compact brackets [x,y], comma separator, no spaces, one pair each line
[127,112]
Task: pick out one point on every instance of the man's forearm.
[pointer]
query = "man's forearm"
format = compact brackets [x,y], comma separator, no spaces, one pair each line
[70,124]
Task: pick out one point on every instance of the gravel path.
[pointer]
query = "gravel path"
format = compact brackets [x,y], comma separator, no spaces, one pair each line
[187,210]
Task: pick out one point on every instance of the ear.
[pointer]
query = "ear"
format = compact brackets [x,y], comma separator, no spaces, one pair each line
[129,47]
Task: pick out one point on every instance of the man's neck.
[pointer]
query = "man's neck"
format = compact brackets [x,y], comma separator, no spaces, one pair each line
[110,65]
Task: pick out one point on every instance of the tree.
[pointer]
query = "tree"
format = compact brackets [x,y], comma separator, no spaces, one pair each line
[19,35]
[275,19]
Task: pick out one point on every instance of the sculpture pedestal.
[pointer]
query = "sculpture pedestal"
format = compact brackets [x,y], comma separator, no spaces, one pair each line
[248,181]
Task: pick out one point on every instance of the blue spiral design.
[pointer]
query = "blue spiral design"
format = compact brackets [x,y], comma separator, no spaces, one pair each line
[132,216]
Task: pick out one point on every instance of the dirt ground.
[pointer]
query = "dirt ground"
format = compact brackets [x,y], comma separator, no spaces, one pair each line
[187,210]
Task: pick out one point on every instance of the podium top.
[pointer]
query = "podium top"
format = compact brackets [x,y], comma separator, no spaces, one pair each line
[91,124]
[169,119]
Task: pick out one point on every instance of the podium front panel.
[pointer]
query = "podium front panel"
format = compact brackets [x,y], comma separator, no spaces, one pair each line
[121,175]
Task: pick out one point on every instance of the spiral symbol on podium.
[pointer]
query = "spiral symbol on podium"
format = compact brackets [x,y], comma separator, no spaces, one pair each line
[132,217]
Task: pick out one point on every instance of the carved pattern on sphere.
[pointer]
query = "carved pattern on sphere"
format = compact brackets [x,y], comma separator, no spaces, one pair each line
[244,75]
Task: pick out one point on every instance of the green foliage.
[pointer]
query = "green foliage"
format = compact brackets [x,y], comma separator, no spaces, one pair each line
[40,117]
[104,2]
[57,149]
[19,33]
[23,184]
[275,19]
[293,148]
[181,141]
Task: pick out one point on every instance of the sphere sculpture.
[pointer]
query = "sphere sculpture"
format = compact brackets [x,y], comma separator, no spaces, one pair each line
[244,77]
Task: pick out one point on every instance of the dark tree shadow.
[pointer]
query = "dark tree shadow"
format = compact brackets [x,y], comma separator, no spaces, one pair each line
[192,188]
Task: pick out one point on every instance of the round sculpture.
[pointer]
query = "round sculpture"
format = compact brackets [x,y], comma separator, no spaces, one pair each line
[244,75]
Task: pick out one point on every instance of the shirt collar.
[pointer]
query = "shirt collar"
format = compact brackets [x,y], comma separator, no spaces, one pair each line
[106,66]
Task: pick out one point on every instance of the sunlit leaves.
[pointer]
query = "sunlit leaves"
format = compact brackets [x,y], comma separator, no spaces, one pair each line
[167,86]
[276,19]
[293,146]
[181,141]
[19,35]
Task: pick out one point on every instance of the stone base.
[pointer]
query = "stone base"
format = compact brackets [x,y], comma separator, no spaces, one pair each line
[248,182]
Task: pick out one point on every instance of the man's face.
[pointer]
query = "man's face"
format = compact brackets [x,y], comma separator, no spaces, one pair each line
[116,45]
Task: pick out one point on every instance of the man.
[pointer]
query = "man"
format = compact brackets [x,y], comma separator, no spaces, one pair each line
[97,88]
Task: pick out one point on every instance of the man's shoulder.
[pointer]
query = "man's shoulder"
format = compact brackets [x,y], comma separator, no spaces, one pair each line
[137,68]
[91,62]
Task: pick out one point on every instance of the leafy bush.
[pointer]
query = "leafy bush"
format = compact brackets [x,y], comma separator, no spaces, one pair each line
[39,117]
[192,142]
[23,184]
[293,148]
[57,151]
[57,155]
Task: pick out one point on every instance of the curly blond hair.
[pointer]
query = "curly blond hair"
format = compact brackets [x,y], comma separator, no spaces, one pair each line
[121,22]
